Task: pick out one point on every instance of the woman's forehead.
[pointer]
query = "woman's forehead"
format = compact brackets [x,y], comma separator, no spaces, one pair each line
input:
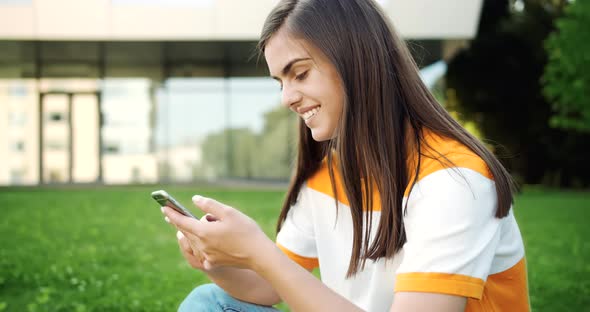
[284,46]
[282,49]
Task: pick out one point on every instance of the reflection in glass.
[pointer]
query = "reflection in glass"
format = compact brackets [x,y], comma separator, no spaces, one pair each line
[210,128]
[127,131]
[189,111]
[183,130]
[18,132]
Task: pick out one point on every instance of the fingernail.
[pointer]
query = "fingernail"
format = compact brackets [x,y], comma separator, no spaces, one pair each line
[166,219]
[197,198]
[210,218]
[179,235]
[162,209]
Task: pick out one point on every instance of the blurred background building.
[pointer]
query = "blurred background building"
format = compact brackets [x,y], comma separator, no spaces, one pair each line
[150,91]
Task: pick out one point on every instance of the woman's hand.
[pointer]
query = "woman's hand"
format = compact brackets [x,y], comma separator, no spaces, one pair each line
[194,258]
[226,237]
[189,250]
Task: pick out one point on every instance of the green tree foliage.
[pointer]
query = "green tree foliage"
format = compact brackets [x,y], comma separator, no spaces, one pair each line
[230,152]
[277,144]
[245,154]
[567,74]
[496,81]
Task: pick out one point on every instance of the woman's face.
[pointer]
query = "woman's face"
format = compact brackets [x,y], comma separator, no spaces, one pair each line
[310,84]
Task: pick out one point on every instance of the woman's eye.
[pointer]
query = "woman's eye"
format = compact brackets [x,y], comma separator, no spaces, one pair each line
[302,75]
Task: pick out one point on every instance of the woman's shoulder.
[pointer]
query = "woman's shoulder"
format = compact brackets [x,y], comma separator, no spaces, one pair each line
[439,152]
[320,181]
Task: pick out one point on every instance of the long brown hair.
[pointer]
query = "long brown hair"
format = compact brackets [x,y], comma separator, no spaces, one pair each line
[387,107]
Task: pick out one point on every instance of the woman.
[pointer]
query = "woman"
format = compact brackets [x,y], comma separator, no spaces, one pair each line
[437,231]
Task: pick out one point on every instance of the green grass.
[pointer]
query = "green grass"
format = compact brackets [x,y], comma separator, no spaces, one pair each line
[556,236]
[110,250]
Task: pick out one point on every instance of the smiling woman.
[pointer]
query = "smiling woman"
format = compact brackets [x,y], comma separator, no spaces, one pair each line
[310,84]
[398,205]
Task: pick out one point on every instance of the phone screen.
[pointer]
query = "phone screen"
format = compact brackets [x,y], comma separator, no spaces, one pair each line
[165,199]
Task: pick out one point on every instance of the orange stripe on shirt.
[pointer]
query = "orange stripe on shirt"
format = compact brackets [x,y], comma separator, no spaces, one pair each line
[459,156]
[430,161]
[320,182]
[308,263]
[504,291]
[444,283]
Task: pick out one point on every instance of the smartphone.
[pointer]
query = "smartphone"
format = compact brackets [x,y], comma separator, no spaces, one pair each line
[164,199]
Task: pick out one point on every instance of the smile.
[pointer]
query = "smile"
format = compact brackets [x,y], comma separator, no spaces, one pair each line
[310,114]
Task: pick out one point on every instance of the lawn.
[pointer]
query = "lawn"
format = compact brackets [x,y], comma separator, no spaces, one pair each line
[109,249]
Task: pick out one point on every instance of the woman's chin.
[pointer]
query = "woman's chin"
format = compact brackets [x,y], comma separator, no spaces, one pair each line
[319,136]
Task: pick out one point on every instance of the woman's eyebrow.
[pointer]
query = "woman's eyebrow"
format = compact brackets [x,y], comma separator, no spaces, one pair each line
[289,65]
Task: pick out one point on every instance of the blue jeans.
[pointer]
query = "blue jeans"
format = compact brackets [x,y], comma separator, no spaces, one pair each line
[210,298]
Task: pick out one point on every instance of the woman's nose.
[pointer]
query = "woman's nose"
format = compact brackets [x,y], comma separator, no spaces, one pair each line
[290,96]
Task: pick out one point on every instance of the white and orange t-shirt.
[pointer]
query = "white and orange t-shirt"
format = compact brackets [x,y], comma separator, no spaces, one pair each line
[455,245]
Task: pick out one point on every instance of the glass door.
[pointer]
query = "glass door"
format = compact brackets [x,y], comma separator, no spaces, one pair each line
[69,137]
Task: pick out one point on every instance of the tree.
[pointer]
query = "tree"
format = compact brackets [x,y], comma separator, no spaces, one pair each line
[278,142]
[496,81]
[267,155]
[567,76]
[239,161]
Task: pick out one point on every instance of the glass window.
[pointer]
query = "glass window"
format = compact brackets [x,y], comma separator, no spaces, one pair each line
[56,116]
[209,128]
[126,114]
[19,109]
[17,118]
[16,176]
[127,109]
[262,136]
[190,112]
[18,90]
[110,148]
[18,146]
[56,145]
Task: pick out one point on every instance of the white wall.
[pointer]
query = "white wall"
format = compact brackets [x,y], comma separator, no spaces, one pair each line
[206,19]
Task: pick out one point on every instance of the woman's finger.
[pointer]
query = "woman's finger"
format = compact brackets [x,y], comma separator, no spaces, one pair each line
[211,206]
[183,223]
[183,242]
[191,245]
[193,261]
[168,219]
[194,258]
[193,239]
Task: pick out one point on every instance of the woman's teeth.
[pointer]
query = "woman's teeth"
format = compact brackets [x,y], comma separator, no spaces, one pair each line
[311,113]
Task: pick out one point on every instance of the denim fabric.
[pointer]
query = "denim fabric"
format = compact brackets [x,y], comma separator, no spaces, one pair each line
[211,298]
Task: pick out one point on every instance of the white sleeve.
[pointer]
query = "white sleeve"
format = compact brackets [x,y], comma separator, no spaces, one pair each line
[452,234]
[296,237]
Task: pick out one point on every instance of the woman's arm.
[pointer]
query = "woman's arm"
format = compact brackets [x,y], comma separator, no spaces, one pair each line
[303,292]
[426,302]
[297,287]
[236,240]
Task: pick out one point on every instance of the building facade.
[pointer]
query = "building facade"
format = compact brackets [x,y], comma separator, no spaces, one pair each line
[145,91]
